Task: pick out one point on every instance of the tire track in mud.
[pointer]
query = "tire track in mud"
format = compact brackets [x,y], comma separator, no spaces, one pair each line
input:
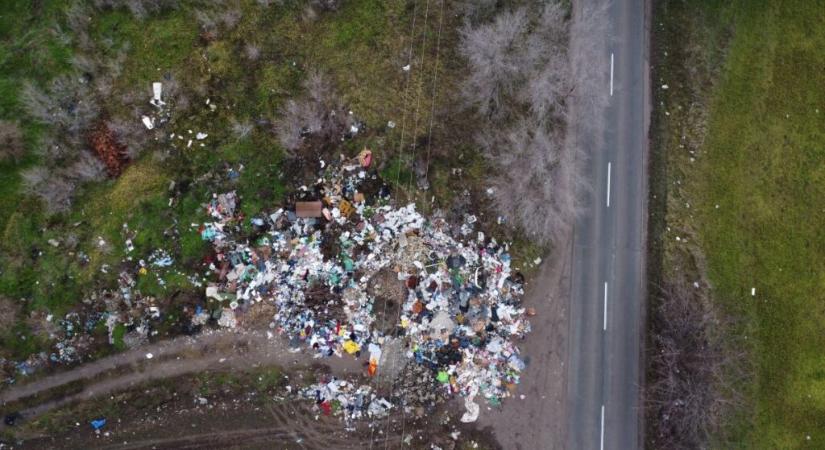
[179,356]
[288,425]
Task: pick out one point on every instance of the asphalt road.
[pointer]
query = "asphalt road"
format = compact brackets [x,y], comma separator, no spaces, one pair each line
[608,261]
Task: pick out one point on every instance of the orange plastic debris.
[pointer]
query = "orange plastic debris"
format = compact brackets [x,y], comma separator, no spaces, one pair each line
[346,208]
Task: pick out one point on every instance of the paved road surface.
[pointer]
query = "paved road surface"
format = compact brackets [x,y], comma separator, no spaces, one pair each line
[608,268]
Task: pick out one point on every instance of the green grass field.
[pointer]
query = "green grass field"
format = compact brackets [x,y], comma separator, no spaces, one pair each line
[763,163]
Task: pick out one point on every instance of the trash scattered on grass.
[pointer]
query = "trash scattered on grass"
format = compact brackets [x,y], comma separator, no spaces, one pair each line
[157,90]
[97,424]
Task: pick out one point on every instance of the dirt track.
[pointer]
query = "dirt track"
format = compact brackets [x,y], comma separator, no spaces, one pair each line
[540,419]
[216,350]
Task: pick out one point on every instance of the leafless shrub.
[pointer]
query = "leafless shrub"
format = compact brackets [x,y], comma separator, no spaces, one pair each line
[130,131]
[211,17]
[252,52]
[317,115]
[475,11]
[208,23]
[11,142]
[495,54]
[140,9]
[520,70]
[78,18]
[326,5]
[52,188]
[66,105]
[536,180]
[9,311]
[86,168]
[50,149]
[241,129]
[231,17]
[693,367]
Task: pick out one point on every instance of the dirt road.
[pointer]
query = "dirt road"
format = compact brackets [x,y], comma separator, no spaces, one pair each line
[540,419]
[179,356]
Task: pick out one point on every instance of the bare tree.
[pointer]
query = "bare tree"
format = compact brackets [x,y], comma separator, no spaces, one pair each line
[11,142]
[318,114]
[66,105]
[520,70]
[694,368]
[54,190]
[536,182]
[495,54]
[86,168]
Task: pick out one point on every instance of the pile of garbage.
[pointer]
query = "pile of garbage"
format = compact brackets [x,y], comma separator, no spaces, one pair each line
[322,262]
[340,397]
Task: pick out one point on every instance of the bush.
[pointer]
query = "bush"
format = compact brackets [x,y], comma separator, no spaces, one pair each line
[67,105]
[476,11]
[536,182]
[11,142]
[693,370]
[520,80]
[317,115]
[496,55]
[54,190]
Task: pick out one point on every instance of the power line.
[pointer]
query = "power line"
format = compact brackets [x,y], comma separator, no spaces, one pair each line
[418,97]
[400,162]
[435,84]
[429,139]
[414,130]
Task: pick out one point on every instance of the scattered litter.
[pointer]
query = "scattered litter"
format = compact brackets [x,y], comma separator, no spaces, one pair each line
[157,90]
[471,415]
[459,301]
[97,424]
[148,122]
[149,356]
[308,209]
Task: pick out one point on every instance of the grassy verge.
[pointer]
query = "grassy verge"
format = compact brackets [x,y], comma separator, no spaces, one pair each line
[744,154]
